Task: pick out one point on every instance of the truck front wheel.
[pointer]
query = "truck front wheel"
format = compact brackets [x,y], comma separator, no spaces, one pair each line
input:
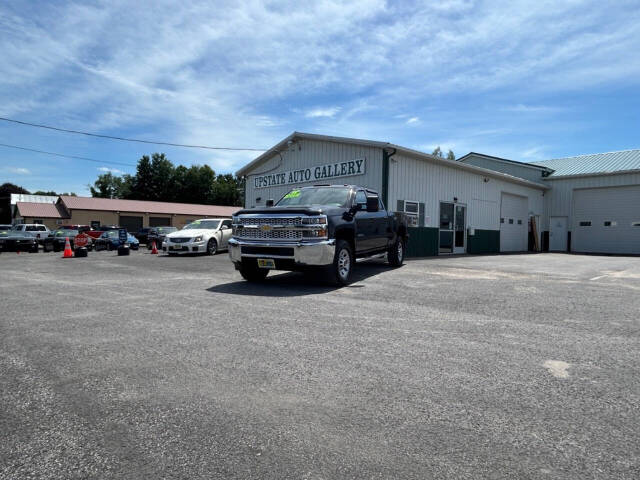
[251,272]
[343,261]
[395,255]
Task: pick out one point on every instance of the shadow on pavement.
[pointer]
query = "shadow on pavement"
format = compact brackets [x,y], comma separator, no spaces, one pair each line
[294,284]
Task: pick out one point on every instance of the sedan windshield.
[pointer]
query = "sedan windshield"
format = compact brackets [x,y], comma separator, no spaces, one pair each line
[337,197]
[166,229]
[65,233]
[205,224]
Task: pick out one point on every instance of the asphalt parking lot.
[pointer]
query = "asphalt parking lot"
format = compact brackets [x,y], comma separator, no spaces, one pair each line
[520,366]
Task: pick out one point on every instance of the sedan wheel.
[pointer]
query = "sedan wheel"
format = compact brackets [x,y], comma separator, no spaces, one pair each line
[212,247]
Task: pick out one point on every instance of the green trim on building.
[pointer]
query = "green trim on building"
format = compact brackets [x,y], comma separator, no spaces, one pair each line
[385,178]
[484,241]
[423,242]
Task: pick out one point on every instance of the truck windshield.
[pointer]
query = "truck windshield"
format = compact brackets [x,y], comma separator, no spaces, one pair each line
[330,196]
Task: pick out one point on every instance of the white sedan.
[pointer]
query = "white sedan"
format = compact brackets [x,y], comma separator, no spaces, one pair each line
[207,235]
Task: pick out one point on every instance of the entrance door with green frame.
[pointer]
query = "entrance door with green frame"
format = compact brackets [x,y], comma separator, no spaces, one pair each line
[453,222]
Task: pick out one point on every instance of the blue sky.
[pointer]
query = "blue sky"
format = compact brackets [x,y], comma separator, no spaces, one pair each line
[521,80]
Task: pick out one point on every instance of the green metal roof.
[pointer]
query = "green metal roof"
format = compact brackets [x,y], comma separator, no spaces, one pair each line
[596,163]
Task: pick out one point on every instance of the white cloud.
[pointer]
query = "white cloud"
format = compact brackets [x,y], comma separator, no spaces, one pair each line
[322,112]
[18,170]
[111,170]
[413,121]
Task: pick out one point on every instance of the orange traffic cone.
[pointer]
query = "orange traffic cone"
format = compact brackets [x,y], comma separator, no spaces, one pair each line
[67,249]
[154,249]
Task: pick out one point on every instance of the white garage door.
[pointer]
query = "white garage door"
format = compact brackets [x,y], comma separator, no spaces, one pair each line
[513,223]
[606,220]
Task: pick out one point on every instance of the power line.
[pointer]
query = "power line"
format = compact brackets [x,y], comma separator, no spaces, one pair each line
[123,139]
[108,162]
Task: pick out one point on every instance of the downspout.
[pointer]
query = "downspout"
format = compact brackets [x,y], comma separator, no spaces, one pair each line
[386,156]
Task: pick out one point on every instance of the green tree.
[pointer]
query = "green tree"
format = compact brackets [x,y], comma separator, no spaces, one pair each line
[437,152]
[158,179]
[162,177]
[142,187]
[109,185]
[6,189]
[227,190]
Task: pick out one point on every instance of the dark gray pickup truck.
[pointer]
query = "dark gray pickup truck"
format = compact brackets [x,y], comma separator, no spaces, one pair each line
[323,226]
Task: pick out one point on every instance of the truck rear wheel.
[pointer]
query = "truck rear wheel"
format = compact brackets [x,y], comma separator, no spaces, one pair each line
[395,254]
[343,262]
[251,272]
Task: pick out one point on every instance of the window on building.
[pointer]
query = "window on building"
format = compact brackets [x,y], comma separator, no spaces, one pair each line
[519,222]
[609,223]
[635,224]
[38,220]
[412,209]
[585,224]
[511,221]
[95,223]
[502,220]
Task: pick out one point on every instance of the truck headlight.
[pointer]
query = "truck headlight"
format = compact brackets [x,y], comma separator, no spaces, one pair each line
[198,239]
[314,220]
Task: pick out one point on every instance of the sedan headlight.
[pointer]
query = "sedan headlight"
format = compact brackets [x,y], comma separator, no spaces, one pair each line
[198,239]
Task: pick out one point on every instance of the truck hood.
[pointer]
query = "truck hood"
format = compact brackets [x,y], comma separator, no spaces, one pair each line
[192,232]
[328,210]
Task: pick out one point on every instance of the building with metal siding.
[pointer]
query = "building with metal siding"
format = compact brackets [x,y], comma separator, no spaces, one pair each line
[448,202]
[528,171]
[434,182]
[599,183]
[302,151]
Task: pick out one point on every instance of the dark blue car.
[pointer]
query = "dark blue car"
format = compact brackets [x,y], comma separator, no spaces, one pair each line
[110,240]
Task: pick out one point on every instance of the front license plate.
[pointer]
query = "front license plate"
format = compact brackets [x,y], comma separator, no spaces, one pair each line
[176,247]
[266,263]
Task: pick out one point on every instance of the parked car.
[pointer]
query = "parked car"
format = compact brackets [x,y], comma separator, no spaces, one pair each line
[12,241]
[110,240]
[317,226]
[80,228]
[142,234]
[5,226]
[97,232]
[207,235]
[158,234]
[55,242]
[36,230]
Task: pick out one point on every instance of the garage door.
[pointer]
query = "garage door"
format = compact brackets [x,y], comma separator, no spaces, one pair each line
[513,223]
[132,224]
[606,220]
[159,221]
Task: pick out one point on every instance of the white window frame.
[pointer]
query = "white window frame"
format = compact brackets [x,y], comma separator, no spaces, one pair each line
[413,218]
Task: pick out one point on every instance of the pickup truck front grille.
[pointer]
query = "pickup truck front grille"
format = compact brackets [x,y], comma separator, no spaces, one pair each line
[287,221]
[279,234]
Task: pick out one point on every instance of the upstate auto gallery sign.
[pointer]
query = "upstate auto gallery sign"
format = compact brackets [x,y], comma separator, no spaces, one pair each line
[313,174]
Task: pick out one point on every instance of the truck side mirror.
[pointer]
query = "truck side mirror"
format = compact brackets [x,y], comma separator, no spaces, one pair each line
[372,204]
[269,203]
